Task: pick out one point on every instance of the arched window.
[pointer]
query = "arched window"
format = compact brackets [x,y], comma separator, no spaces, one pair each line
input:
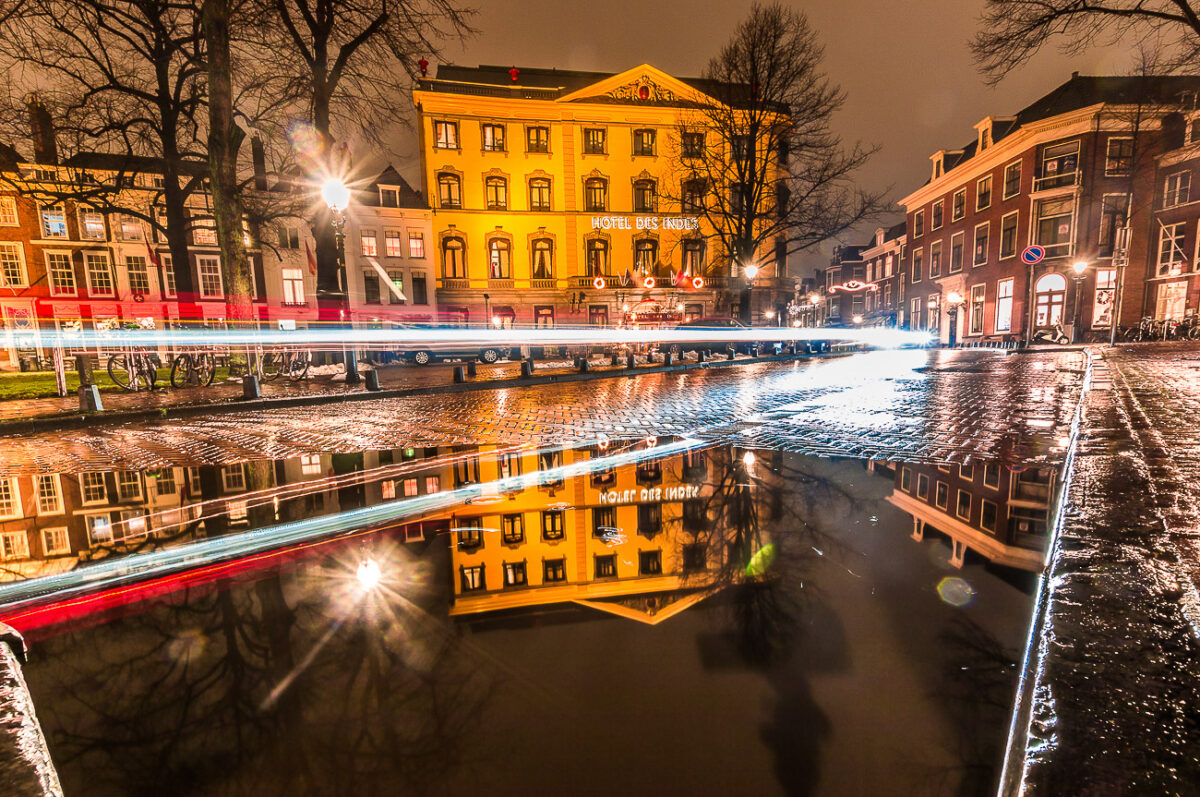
[645,255]
[496,190]
[597,257]
[449,190]
[539,194]
[595,194]
[543,259]
[499,259]
[644,199]
[454,258]
[1050,294]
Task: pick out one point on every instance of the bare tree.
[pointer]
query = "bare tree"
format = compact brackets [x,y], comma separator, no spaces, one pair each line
[119,78]
[758,160]
[346,64]
[1013,31]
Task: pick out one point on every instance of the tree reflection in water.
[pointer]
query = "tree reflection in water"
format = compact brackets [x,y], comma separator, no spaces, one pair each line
[297,683]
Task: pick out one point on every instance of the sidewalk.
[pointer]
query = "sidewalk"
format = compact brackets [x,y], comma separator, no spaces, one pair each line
[26,415]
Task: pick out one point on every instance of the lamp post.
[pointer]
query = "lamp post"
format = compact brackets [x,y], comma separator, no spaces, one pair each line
[954,300]
[934,321]
[336,194]
[1079,273]
[749,272]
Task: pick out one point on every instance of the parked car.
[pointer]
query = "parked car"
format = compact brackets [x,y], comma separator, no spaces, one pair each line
[488,354]
[718,323]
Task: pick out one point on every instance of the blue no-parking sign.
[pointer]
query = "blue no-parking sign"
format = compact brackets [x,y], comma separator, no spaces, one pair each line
[1033,254]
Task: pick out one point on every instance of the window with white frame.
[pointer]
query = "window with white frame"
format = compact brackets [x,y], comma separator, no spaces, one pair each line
[939,215]
[131,229]
[983,193]
[55,542]
[12,266]
[370,244]
[918,224]
[391,243]
[99,274]
[1106,289]
[981,244]
[49,494]
[397,280]
[54,222]
[293,285]
[209,267]
[958,205]
[1055,225]
[1012,180]
[416,245]
[493,137]
[956,252]
[1170,250]
[977,300]
[1004,304]
[164,483]
[1118,157]
[1176,189]
[91,225]
[1114,211]
[234,477]
[99,528]
[408,487]
[129,485]
[92,486]
[8,211]
[449,190]
[14,545]
[433,484]
[139,275]
[168,273]
[310,464]
[1171,300]
[10,498]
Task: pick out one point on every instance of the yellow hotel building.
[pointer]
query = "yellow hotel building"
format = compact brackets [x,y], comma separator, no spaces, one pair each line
[556,200]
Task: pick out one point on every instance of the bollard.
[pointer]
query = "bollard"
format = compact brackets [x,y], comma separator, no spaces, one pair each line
[472,369]
[668,358]
[585,365]
[372,379]
[731,353]
[83,366]
[630,362]
[89,398]
[577,360]
[527,368]
[460,375]
[615,360]
[700,355]
[251,389]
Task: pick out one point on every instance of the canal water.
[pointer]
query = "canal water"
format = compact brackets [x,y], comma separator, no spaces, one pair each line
[637,617]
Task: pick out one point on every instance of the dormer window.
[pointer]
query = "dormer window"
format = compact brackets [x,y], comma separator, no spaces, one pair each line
[937,165]
[985,138]
[389,197]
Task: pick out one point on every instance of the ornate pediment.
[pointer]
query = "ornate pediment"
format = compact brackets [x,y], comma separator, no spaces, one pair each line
[642,90]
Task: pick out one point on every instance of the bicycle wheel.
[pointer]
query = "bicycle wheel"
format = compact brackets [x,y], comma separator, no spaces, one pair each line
[119,371]
[273,365]
[297,365]
[206,369]
[179,370]
[147,373]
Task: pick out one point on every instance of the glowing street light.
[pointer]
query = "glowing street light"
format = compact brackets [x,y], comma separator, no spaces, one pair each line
[748,459]
[857,319]
[769,315]
[954,300]
[751,271]
[496,321]
[336,194]
[368,574]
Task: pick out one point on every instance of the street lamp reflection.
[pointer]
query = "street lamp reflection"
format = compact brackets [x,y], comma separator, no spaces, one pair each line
[368,574]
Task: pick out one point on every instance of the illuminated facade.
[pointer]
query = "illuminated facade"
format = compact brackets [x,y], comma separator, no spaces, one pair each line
[549,192]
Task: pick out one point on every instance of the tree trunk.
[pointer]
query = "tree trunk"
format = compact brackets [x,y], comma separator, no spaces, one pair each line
[224,140]
[331,292]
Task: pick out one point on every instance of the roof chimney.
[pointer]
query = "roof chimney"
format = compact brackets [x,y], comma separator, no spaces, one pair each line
[259,157]
[41,130]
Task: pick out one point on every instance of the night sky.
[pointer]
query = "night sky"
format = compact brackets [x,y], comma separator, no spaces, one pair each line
[911,84]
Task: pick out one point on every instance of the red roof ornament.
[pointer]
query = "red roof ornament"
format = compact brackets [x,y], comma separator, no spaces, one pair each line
[644,92]
[424,64]
[512,73]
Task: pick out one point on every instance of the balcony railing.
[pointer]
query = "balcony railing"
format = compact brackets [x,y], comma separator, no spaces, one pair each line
[543,284]
[454,283]
[1048,181]
[500,283]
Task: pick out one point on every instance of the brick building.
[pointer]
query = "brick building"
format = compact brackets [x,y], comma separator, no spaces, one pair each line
[1064,174]
[882,258]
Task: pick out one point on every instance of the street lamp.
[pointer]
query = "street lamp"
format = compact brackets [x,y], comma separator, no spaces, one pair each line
[954,299]
[1079,267]
[856,319]
[336,195]
[745,305]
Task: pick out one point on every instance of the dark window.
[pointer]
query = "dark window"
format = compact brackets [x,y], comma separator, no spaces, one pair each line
[370,287]
[695,516]
[695,558]
[1008,235]
[1119,157]
[741,147]
[960,205]
[650,563]
[916,265]
[918,224]
[906,480]
[649,520]
[469,538]
[693,145]
[604,521]
[606,566]
[963,510]
[552,525]
[454,261]
[1012,180]
[594,141]
[512,529]
[649,472]
[595,194]
[597,257]
[537,139]
[987,516]
[956,253]
[938,212]
[942,496]
[643,142]
[991,476]
[693,196]
[695,465]
[922,486]
[643,196]
[554,570]
[420,293]
[543,259]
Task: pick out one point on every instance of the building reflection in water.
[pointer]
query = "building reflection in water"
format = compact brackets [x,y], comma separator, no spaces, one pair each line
[288,672]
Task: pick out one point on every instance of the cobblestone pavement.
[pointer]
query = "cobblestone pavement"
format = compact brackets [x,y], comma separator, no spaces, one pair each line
[912,404]
[1115,695]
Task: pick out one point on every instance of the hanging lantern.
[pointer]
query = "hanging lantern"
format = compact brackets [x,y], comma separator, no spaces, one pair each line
[697,282]
[598,283]
[648,283]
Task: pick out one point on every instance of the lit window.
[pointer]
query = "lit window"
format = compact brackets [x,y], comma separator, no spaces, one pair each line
[100,279]
[499,261]
[595,194]
[129,485]
[514,574]
[433,484]
[10,500]
[554,570]
[644,196]
[449,190]
[91,225]
[310,464]
[543,259]
[210,276]
[139,275]
[14,545]
[445,135]
[454,263]
[416,244]
[370,245]
[496,193]
[48,494]
[8,211]
[1171,259]
[391,243]
[55,542]
[387,489]
[512,529]
[493,137]
[539,194]
[594,141]
[54,223]
[293,286]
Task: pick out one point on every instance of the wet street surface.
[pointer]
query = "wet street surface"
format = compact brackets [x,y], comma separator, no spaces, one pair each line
[805,577]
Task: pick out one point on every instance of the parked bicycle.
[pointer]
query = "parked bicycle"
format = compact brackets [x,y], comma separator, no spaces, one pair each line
[294,363]
[190,369]
[133,369]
